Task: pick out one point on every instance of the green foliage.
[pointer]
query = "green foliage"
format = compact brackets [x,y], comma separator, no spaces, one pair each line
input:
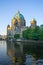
[24,34]
[41,34]
[17,36]
[33,33]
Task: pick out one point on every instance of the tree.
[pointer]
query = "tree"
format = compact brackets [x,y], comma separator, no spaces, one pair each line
[25,34]
[30,33]
[41,34]
[17,36]
[35,34]
[41,26]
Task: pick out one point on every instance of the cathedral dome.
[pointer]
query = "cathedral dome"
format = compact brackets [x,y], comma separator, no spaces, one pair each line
[19,18]
[8,27]
[33,22]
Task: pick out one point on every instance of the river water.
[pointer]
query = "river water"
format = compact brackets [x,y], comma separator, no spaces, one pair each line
[18,54]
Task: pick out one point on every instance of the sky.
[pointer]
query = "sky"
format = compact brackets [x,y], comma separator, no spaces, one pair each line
[28,8]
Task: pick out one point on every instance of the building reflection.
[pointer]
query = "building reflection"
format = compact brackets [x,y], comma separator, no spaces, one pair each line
[15,52]
[24,54]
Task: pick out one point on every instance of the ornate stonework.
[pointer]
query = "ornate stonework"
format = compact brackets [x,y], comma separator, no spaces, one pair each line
[17,24]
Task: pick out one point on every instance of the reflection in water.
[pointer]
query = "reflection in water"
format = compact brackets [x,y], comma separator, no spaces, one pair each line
[24,54]
[18,54]
[36,50]
[4,59]
[21,54]
[15,52]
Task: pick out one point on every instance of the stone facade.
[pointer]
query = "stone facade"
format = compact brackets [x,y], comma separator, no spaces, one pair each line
[18,24]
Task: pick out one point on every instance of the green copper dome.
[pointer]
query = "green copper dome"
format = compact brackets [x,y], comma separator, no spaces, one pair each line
[19,18]
[19,15]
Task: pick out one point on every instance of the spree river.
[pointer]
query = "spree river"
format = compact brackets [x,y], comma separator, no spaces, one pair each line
[18,54]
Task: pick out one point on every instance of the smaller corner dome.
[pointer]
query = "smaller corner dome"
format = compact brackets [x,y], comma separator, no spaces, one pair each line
[33,21]
[8,25]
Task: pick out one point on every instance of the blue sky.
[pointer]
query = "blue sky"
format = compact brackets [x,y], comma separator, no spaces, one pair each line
[29,8]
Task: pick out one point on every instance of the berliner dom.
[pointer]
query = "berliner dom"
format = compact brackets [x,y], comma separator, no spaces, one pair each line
[17,24]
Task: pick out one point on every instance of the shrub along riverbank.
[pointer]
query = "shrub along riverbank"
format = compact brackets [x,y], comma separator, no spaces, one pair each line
[33,33]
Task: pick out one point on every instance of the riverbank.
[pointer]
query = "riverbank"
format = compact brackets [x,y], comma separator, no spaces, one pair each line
[33,41]
[25,40]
